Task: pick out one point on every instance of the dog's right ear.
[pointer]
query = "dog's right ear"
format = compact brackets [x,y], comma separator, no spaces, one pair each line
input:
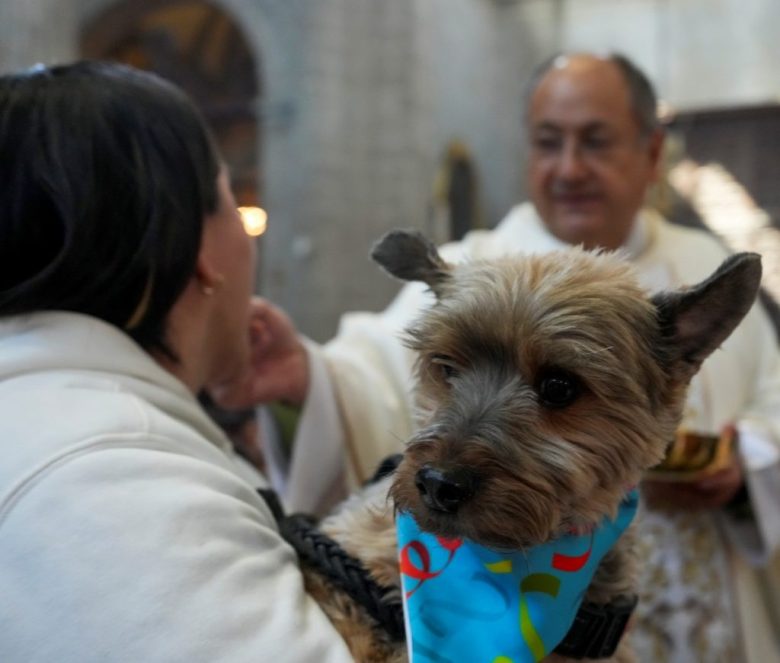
[410,256]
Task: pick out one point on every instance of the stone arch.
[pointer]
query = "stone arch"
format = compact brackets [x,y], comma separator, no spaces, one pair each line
[199,46]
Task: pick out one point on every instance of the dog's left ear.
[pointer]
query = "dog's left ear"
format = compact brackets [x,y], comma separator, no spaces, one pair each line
[409,255]
[695,321]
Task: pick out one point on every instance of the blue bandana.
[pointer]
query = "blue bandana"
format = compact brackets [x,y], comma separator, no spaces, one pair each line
[464,602]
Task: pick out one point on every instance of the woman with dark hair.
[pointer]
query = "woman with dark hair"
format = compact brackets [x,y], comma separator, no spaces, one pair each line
[129,530]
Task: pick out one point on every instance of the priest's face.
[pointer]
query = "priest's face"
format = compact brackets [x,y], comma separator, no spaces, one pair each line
[590,165]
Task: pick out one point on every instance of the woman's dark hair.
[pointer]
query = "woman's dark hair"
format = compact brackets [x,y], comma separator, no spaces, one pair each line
[106,174]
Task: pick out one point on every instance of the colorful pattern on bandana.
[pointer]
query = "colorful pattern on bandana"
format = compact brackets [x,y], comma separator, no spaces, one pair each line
[464,602]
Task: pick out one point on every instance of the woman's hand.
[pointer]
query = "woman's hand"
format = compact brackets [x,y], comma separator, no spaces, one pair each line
[278,369]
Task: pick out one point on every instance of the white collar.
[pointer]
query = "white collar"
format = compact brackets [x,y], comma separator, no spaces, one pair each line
[638,239]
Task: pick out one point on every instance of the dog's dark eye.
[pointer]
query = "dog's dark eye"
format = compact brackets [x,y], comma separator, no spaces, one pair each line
[444,366]
[558,389]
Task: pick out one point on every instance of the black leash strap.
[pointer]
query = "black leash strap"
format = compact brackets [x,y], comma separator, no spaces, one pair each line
[329,559]
[597,629]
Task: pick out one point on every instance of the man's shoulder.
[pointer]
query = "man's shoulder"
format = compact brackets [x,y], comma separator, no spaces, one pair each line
[690,253]
[683,239]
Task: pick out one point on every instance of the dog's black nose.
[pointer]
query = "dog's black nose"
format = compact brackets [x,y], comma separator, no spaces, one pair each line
[444,490]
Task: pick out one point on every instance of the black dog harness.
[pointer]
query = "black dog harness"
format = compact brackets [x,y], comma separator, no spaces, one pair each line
[595,632]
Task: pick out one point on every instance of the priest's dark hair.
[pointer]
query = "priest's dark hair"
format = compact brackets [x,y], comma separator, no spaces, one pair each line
[106,175]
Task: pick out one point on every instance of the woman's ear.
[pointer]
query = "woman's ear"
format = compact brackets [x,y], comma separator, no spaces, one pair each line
[207,274]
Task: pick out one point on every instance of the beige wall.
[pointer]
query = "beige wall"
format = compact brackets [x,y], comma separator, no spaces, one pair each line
[362,96]
[700,53]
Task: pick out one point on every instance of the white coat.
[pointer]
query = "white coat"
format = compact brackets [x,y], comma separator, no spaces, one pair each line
[129,530]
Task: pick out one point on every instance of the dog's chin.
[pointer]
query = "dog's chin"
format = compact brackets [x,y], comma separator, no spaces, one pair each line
[453,526]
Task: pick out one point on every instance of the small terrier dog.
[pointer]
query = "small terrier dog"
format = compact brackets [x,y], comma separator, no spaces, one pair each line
[546,385]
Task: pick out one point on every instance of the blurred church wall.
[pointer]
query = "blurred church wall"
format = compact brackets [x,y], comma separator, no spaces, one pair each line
[36,31]
[361,98]
[699,53]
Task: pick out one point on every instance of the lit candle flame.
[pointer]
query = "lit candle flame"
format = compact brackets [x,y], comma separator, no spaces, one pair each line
[255,220]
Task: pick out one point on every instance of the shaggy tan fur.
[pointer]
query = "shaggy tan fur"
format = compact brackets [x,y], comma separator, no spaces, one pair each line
[497,331]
